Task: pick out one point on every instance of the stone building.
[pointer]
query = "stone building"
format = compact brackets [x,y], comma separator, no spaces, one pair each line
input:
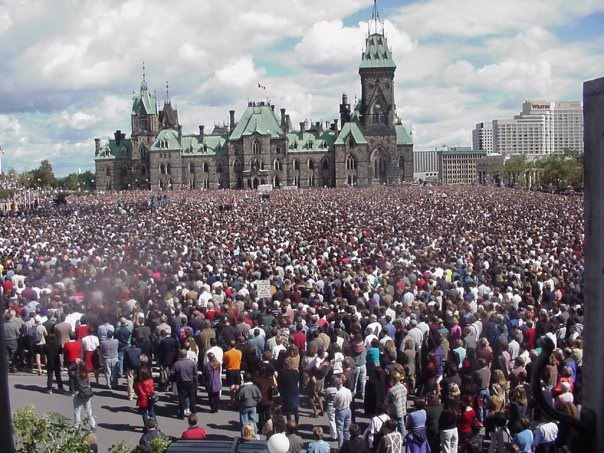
[367,145]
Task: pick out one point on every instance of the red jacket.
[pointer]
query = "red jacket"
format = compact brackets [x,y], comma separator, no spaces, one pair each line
[194,432]
[143,389]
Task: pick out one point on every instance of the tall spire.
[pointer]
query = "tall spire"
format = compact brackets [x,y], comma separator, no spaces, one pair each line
[167,93]
[144,82]
[376,25]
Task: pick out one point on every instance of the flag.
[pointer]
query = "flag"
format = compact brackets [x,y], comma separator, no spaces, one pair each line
[261,86]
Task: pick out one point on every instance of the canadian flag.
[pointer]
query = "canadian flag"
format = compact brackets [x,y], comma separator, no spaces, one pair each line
[261,86]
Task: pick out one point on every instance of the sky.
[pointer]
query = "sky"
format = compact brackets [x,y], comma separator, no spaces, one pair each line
[68,68]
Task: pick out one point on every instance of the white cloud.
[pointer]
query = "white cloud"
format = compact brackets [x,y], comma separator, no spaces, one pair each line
[472,18]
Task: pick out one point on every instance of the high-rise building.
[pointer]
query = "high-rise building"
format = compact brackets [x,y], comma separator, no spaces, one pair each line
[482,137]
[370,147]
[542,128]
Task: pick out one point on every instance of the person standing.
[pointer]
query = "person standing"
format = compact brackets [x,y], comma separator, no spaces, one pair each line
[90,348]
[248,397]
[52,349]
[82,396]
[144,388]
[110,361]
[396,399]
[132,361]
[167,353]
[341,403]
[123,335]
[72,353]
[185,376]
[232,365]
[213,381]
[392,441]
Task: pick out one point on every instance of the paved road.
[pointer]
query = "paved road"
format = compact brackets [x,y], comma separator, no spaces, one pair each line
[118,419]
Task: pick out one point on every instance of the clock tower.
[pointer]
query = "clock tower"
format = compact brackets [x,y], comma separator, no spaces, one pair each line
[377,81]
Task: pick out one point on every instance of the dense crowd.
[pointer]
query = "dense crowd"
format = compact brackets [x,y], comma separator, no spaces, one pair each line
[419,308]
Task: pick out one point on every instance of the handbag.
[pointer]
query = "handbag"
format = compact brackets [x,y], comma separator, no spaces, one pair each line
[153,398]
[85,392]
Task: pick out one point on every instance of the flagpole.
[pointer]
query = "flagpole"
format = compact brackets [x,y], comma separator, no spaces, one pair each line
[1,154]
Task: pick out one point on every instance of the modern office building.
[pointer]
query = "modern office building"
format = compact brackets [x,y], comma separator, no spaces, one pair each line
[369,146]
[425,165]
[542,128]
[482,137]
[457,165]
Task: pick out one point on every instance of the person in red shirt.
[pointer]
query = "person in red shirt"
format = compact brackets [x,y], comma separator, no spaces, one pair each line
[300,337]
[193,431]
[72,354]
[466,419]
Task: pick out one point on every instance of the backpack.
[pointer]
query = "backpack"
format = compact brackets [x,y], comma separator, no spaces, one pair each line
[34,334]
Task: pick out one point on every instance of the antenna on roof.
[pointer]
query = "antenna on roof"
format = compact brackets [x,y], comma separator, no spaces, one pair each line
[144,82]
[375,21]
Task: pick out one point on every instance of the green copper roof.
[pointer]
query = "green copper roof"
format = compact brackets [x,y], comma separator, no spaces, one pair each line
[308,142]
[148,101]
[351,129]
[377,54]
[166,139]
[115,150]
[257,119]
[211,146]
[402,136]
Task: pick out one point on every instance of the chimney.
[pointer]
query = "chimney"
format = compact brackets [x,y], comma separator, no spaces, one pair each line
[201,132]
[179,132]
[318,127]
[232,120]
[302,126]
[272,107]
[97,145]
[335,124]
[118,136]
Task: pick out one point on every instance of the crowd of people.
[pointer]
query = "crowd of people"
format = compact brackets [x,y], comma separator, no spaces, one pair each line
[415,308]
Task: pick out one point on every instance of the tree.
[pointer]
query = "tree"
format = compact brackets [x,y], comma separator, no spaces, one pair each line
[49,433]
[514,168]
[562,171]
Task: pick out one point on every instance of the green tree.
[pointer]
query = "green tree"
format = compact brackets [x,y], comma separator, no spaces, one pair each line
[562,171]
[514,169]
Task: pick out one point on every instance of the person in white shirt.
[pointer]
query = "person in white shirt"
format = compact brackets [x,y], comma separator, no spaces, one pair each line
[341,404]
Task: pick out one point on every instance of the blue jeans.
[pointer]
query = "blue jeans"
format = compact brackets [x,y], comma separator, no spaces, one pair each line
[111,372]
[248,414]
[120,363]
[343,421]
[360,381]
[483,412]
[146,413]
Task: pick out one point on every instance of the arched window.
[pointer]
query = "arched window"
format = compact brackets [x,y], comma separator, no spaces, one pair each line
[237,167]
[277,165]
[401,162]
[311,164]
[191,167]
[108,171]
[143,170]
[256,149]
[206,168]
[277,150]
[325,164]
[168,169]
[219,167]
[296,164]
[351,163]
